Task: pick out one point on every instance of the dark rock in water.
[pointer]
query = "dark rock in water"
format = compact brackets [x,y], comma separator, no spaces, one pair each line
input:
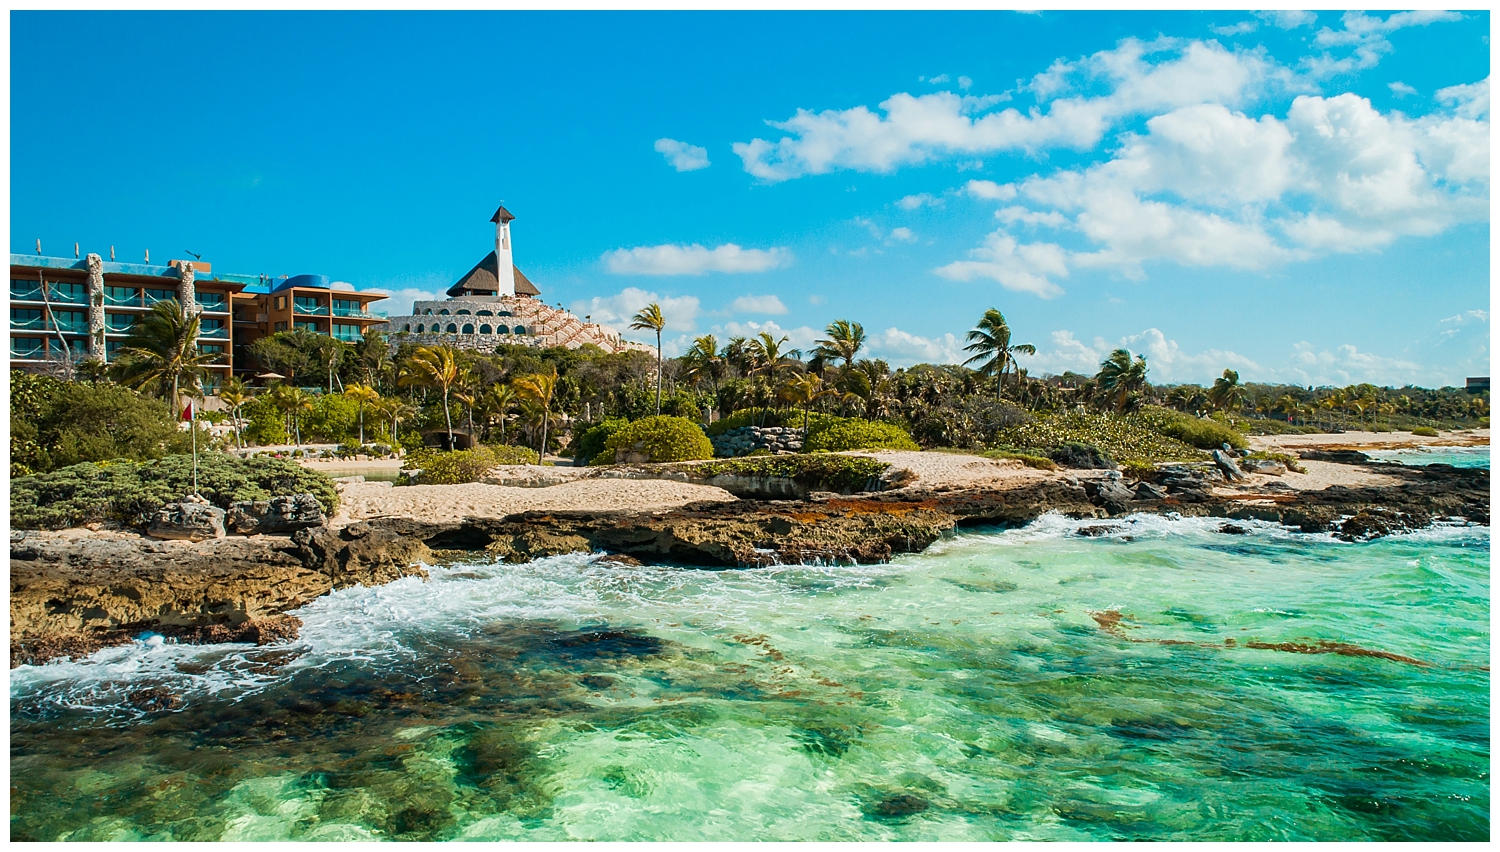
[154,698]
[1377,521]
[277,515]
[1191,495]
[618,559]
[598,682]
[1233,529]
[188,520]
[1227,465]
[1098,530]
[899,805]
[1339,456]
[1148,491]
[1112,495]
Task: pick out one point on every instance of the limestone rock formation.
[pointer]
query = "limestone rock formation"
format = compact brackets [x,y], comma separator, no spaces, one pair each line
[277,515]
[189,520]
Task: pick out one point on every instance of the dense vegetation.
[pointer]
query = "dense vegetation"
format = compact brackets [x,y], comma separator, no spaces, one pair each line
[454,468]
[844,474]
[580,402]
[129,493]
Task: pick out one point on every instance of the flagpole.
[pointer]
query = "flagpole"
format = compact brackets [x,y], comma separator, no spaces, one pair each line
[193,427]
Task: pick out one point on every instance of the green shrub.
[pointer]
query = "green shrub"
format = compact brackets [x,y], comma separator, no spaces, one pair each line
[57,424]
[129,493]
[1138,469]
[1193,431]
[1029,459]
[660,439]
[836,434]
[1425,431]
[263,423]
[844,474]
[460,466]
[1285,458]
[1121,438]
[591,442]
[1082,457]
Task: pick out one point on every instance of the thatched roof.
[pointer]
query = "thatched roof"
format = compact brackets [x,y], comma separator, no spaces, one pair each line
[502,215]
[483,280]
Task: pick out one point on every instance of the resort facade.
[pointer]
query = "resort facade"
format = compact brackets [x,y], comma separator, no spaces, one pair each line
[68,310]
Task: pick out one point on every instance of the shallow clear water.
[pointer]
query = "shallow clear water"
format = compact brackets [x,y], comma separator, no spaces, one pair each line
[1456,456]
[1019,684]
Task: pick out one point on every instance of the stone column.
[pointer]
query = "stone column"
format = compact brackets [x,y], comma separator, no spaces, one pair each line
[96,307]
[187,293]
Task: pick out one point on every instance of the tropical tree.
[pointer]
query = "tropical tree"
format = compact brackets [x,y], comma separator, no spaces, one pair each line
[395,409]
[467,398]
[291,401]
[993,351]
[803,390]
[768,358]
[1227,394]
[1119,377]
[844,341]
[651,318]
[538,389]
[372,356]
[703,361]
[161,354]
[364,395]
[235,394]
[498,401]
[438,365]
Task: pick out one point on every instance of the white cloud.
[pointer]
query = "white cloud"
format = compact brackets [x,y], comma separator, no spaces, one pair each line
[802,337]
[1287,19]
[941,78]
[1023,268]
[912,202]
[965,83]
[673,259]
[1206,186]
[988,189]
[816,299]
[1367,36]
[1471,100]
[757,305]
[398,302]
[1236,29]
[682,156]
[916,129]
[902,349]
[903,235]
[1400,89]
[680,312]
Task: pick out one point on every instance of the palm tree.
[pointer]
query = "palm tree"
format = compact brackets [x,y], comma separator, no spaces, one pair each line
[499,400]
[845,339]
[1118,377]
[651,318]
[990,343]
[235,394]
[467,399]
[768,358]
[292,401]
[396,410]
[803,390]
[1227,393]
[538,389]
[373,355]
[364,395]
[438,365]
[161,354]
[704,362]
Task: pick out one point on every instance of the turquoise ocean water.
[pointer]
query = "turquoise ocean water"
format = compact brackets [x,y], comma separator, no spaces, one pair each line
[1008,684]
[1456,456]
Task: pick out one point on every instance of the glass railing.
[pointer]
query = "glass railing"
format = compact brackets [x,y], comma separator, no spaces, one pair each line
[68,294]
[25,291]
[154,296]
[28,322]
[27,348]
[310,308]
[122,297]
[350,312]
[213,302]
[119,324]
[212,328]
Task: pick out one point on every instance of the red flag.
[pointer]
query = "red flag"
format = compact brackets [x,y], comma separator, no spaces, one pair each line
[187,413]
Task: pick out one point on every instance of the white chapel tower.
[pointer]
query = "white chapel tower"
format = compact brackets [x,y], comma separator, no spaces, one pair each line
[505,276]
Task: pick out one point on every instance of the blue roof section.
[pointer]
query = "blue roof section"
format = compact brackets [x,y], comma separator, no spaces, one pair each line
[253,283]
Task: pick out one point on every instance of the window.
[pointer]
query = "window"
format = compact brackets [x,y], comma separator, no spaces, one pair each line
[307,324]
[420,328]
[484,329]
[502,329]
[78,347]
[119,323]
[211,349]
[452,329]
[154,296]
[213,302]
[112,349]
[520,329]
[346,332]
[505,313]
[463,312]
[71,292]
[27,347]
[71,322]
[347,308]
[211,327]
[309,305]
[22,290]
[280,303]
[122,296]
[427,313]
[443,312]
[484,313]
[281,326]
[26,318]
[468,328]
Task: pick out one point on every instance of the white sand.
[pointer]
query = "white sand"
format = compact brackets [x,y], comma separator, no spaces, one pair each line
[1370,440]
[957,470]
[439,503]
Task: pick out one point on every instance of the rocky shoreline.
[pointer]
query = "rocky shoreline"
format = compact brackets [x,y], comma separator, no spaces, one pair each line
[73,593]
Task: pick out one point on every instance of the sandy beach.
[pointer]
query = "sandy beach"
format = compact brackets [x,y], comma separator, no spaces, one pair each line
[437,503]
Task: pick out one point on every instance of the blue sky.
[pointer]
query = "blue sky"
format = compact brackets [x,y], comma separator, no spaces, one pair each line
[1302,197]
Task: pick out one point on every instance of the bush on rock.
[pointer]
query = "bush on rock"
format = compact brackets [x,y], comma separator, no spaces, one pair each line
[657,439]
